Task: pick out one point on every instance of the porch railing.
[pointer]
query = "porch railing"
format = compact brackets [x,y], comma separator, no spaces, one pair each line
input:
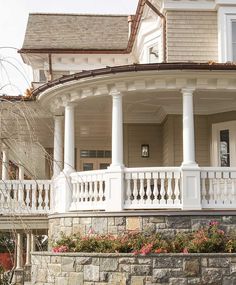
[152,188]
[88,190]
[25,196]
[218,187]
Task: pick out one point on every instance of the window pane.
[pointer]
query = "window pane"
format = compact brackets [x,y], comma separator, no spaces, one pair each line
[84,153]
[103,165]
[233,32]
[87,166]
[107,153]
[100,153]
[224,148]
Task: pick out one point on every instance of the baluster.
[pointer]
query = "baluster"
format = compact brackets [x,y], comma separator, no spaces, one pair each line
[211,190]
[95,190]
[86,189]
[169,188]
[73,198]
[162,191]
[8,199]
[2,196]
[135,188]
[128,192]
[90,188]
[225,197]
[21,203]
[155,189]
[177,194]
[27,195]
[217,196]
[142,193]
[39,188]
[101,190]
[203,187]
[233,189]
[148,176]
[46,197]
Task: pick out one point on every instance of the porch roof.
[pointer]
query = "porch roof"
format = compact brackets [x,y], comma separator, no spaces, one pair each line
[135,68]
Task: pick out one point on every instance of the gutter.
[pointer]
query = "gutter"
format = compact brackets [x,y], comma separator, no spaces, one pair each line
[135,68]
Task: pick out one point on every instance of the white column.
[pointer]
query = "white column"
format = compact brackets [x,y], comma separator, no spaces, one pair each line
[21,172]
[190,175]
[19,251]
[188,128]
[28,249]
[58,146]
[33,245]
[117,130]
[5,163]
[69,139]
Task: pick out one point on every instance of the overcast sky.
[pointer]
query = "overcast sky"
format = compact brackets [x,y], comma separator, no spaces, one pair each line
[13,19]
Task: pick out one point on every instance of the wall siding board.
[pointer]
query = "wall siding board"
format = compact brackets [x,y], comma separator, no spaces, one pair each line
[192,36]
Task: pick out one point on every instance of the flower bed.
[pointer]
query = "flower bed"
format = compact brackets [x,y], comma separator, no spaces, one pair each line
[210,239]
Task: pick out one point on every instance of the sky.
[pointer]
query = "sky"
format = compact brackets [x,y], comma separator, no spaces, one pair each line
[15,77]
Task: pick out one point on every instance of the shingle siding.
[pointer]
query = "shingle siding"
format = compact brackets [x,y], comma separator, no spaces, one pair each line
[192,36]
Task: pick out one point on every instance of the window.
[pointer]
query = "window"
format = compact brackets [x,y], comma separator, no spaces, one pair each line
[95,153]
[224,144]
[227,34]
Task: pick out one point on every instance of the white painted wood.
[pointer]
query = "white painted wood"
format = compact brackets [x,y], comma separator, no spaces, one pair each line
[58,146]
[5,163]
[69,139]
[160,186]
[117,130]
[188,128]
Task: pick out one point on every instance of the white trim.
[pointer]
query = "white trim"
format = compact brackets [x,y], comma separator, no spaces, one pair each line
[201,5]
[216,128]
[226,15]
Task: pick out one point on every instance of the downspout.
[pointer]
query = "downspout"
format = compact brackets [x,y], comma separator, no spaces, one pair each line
[155,10]
[50,66]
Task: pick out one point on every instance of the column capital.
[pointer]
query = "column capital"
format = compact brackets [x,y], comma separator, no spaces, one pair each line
[115,93]
[187,91]
[70,105]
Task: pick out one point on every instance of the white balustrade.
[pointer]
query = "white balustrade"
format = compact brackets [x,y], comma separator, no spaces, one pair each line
[218,187]
[152,188]
[88,190]
[25,196]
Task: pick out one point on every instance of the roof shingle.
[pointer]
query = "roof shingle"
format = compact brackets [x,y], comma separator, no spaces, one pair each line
[73,31]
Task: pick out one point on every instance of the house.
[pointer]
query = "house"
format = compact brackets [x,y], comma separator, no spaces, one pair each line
[137,115]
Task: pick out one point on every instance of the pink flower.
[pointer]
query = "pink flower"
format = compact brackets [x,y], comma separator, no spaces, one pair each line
[147,248]
[213,223]
[185,250]
[62,248]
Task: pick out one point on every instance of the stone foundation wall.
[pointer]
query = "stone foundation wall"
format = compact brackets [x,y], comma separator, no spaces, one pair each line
[127,269]
[166,224]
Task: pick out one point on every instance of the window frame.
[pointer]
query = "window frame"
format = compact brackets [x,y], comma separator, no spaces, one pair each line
[226,15]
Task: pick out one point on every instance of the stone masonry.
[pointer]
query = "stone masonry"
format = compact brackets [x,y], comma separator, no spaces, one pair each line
[127,269]
[104,224]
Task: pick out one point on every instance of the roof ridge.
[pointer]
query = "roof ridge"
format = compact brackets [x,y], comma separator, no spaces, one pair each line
[80,14]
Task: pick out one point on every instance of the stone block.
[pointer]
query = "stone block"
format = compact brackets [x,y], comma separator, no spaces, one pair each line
[141,270]
[218,262]
[229,280]
[103,276]
[99,225]
[108,264]
[194,281]
[133,224]
[137,280]
[86,221]
[91,273]
[157,220]
[61,281]
[191,267]
[68,264]
[127,260]
[145,260]
[82,260]
[124,268]
[161,275]
[56,259]
[110,221]
[118,278]
[68,222]
[167,262]
[79,229]
[42,275]
[119,221]
[76,278]
[54,269]
[178,281]
[178,222]
[211,276]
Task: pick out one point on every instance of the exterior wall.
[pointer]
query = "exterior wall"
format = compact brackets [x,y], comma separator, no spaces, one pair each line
[192,36]
[136,221]
[122,269]
[137,134]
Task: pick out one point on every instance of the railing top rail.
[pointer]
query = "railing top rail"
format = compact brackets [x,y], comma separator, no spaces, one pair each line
[26,181]
[88,173]
[225,169]
[153,169]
